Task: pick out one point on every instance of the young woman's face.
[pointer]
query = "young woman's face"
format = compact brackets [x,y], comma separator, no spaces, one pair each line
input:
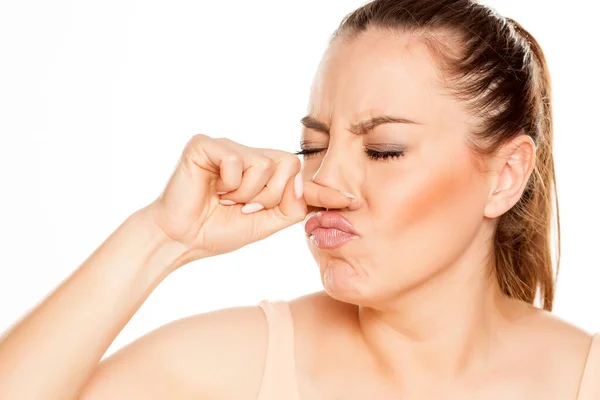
[419,210]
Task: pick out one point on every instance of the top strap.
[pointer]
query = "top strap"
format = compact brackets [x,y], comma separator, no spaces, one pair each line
[279,376]
[589,388]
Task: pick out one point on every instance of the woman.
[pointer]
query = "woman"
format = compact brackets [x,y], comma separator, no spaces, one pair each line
[426,186]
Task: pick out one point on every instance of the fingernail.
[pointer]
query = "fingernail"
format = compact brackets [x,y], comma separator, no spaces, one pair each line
[298,185]
[349,195]
[226,202]
[252,207]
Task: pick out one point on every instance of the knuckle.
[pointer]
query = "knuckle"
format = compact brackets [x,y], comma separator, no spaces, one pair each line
[196,141]
[198,138]
[266,163]
[289,160]
[232,158]
[293,163]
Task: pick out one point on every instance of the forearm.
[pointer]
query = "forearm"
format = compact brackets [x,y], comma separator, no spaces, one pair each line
[53,351]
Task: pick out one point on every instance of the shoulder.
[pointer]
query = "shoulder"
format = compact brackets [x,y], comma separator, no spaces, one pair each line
[566,340]
[546,348]
[324,330]
[194,357]
[320,313]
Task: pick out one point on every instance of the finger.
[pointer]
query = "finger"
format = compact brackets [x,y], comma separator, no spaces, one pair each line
[325,197]
[292,205]
[291,210]
[209,154]
[254,178]
[230,173]
[287,167]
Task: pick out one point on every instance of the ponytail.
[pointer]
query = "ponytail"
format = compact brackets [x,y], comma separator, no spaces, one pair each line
[523,245]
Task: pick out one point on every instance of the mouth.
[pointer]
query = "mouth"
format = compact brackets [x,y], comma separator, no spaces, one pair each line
[329,230]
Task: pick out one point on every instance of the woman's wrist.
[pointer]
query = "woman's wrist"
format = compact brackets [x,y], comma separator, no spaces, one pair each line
[163,254]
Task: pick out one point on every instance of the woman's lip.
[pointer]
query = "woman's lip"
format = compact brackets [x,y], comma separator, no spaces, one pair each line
[330,238]
[329,220]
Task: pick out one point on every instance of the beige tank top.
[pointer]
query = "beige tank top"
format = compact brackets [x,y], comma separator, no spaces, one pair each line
[279,378]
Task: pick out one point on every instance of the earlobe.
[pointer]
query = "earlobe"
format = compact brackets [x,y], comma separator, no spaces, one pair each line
[497,205]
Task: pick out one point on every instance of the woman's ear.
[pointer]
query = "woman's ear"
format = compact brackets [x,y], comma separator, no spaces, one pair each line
[510,170]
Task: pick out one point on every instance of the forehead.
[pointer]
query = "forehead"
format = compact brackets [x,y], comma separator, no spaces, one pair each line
[377,71]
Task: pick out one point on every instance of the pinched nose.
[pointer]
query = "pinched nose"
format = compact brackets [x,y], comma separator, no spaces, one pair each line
[325,197]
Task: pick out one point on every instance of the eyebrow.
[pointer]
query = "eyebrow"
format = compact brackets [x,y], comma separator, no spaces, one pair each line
[361,128]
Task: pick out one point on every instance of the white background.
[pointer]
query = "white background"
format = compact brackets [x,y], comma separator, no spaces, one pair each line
[98,98]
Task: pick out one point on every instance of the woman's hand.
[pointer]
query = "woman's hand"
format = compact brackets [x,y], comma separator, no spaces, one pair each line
[223,195]
[54,351]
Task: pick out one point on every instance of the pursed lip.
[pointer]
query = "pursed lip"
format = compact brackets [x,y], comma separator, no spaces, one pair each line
[329,220]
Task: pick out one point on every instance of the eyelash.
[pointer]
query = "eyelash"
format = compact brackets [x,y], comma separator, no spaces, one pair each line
[372,154]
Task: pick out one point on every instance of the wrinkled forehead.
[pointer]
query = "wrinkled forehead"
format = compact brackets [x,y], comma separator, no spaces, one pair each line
[377,70]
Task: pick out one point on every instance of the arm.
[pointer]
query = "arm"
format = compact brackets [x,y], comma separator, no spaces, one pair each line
[54,350]
[218,355]
[53,353]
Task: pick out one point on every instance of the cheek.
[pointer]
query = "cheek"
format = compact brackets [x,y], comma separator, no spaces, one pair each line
[312,163]
[440,192]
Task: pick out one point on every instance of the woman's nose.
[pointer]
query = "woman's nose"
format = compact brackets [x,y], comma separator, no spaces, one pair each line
[336,171]
[331,170]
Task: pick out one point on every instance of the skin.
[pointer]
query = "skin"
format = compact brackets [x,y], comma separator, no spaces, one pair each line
[411,301]
[427,306]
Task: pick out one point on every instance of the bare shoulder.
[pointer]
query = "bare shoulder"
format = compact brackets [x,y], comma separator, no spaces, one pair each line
[323,329]
[566,340]
[318,312]
[547,349]
[194,357]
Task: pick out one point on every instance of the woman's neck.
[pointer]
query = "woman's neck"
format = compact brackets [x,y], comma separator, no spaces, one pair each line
[443,329]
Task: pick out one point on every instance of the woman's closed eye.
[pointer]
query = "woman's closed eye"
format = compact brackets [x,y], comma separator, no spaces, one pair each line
[373,154]
[306,153]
